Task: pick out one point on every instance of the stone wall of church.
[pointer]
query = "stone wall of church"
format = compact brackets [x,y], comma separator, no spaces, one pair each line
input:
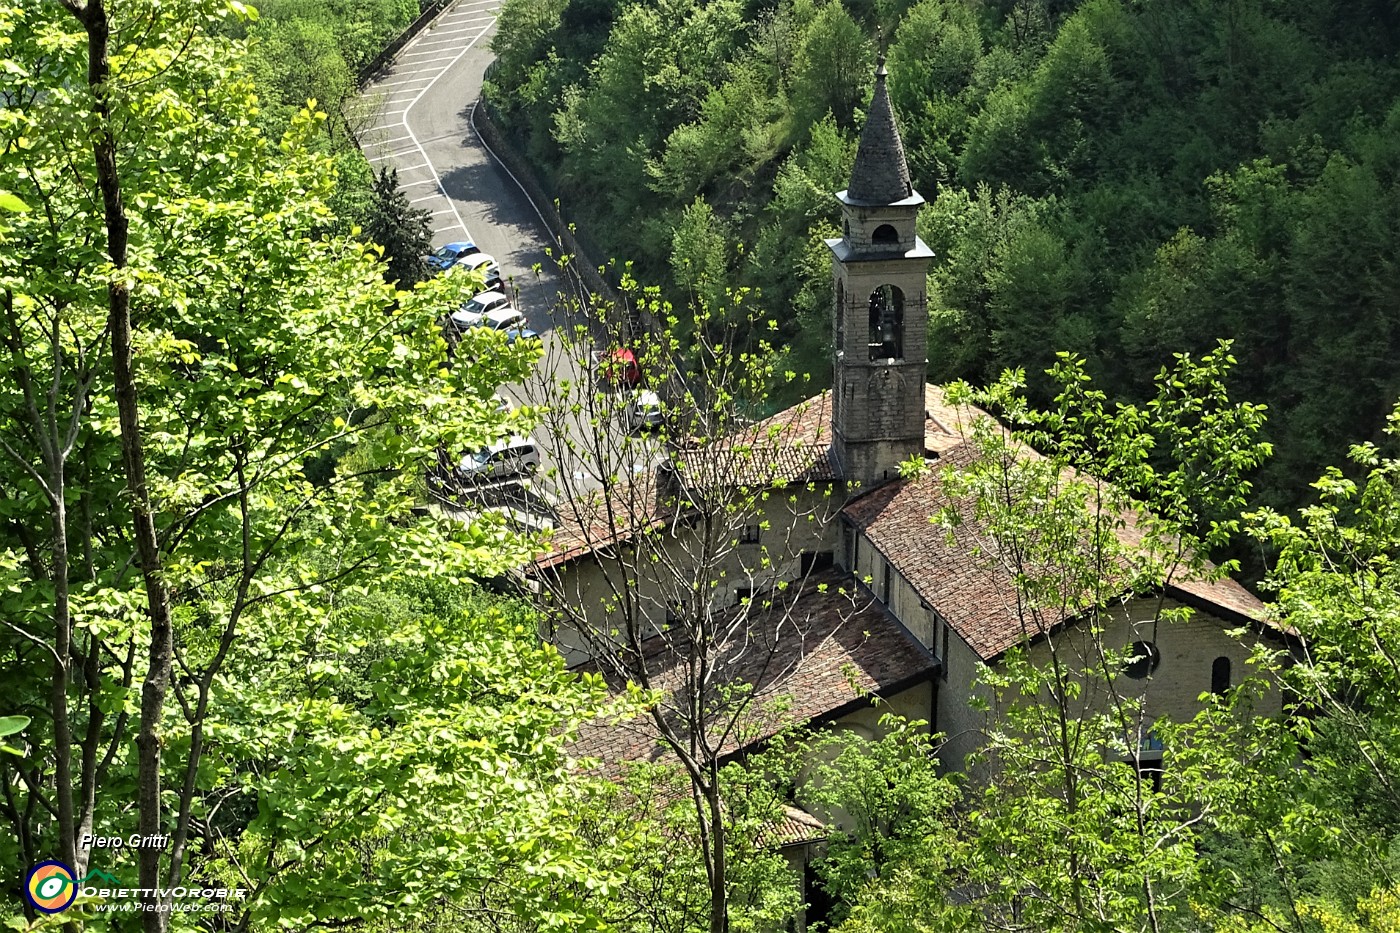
[864,725]
[1188,653]
[799,522]
[962,725]
[878,404]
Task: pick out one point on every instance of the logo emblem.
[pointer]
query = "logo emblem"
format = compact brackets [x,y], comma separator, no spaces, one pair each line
[51,887]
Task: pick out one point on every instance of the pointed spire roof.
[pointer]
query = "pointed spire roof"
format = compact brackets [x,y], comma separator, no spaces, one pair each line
[881,174]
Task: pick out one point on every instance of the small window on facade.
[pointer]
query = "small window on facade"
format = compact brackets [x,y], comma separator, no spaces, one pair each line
[848,535]
[676,611]
[743,593]
[751,534]
[1143,658]
[840,315]
[1151,770]
[815,561]
[944,658]
[1147,760]
[885,235]
[1220,676]
[886,323]
[888,581]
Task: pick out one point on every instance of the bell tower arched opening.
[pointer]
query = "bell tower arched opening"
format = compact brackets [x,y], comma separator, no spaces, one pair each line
[885,235]
[887,323]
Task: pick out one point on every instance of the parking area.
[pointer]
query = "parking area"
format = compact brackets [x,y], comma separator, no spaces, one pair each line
[421,124]
[395,139]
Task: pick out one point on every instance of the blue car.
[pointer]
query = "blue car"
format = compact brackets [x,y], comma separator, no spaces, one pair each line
[442,259]
[521,333]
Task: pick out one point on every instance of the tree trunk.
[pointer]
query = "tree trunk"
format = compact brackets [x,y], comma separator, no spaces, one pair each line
[719,843]
[93,17]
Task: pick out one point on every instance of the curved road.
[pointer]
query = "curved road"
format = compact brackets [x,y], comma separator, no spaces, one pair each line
[422,106]
[422,127]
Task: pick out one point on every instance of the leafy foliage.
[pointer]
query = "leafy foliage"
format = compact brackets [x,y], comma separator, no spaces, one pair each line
[1160,176]
[346,719]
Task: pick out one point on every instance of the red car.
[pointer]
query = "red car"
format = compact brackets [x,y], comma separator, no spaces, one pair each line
[617,368]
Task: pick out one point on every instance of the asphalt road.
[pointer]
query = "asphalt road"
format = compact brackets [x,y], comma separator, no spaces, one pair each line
[421,124]
[423,128]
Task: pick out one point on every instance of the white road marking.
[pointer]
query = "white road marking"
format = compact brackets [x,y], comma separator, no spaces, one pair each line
[431,56]
[389,84]
[410,132]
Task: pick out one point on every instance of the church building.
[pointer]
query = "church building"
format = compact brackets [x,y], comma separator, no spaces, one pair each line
[862,595]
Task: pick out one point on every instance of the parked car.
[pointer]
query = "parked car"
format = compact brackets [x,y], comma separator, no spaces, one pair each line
[512,457]
[521,333]
[643,411]
[489,309]
[485,264]
[617,368]
[442,258]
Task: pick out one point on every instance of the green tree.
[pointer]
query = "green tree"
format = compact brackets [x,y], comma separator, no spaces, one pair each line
[220,426]
[649,546]
[405,232]
[885,804]
[1337,585]
[831,70]
[1065,827]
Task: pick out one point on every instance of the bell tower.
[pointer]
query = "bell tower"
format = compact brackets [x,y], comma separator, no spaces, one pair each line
[880,272]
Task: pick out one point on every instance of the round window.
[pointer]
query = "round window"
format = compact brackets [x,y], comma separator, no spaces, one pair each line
[1143,659]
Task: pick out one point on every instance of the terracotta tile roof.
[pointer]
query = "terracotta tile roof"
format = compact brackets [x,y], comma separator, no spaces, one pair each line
[792,446]
[796,827]
[604,518]
[808,652]
[974,592]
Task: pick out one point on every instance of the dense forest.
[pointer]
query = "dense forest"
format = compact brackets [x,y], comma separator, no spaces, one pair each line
[1120,180]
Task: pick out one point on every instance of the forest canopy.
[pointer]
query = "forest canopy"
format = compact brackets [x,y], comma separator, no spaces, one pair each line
[1118,180]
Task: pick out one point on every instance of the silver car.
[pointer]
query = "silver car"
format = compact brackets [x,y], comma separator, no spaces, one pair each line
[505,458]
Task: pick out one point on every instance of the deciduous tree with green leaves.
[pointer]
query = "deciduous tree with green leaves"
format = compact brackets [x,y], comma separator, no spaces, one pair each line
[1067,823]
[213,446]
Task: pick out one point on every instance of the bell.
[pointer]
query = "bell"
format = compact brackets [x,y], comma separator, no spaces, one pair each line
[887,335]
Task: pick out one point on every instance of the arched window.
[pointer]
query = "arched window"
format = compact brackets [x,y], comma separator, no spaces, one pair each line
[1220,676]
[846,229]
[885,235]
[886,323]
[1143,658]
[840,315]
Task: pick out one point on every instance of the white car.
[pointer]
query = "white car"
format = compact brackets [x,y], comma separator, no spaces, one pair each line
[644,411]
[489,309]
[483,263]
[504,458]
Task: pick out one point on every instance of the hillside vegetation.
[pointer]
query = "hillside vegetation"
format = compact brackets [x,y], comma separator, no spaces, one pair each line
[1122,180]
